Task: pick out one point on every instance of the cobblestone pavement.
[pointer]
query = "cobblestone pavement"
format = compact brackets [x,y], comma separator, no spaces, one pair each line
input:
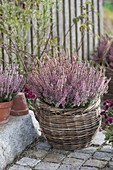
[40,156]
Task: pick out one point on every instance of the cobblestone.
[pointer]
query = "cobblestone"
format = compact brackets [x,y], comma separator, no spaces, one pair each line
[75,162]
[89,150]
[95,163]
[88,168]
[47,166]
[111,164]
[35,154]
[66,167]
[54,157]
[80,155]
[40,156]
[43,145]
[103,156]
[18,167]
[107,148]
[28,162]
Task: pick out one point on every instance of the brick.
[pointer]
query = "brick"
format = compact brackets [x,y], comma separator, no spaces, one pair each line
[95,163]
[47,166]
[25,161]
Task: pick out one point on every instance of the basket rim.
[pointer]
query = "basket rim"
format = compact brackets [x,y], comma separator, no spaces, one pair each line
[66,111]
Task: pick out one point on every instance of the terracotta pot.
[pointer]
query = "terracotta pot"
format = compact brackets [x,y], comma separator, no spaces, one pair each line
[5,109]
[19,106]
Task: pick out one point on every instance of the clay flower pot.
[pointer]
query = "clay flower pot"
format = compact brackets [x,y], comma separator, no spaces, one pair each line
[19,106]
[5,109]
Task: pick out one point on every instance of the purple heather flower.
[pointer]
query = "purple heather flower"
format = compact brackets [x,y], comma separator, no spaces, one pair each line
[99,116]
[107,101]
[105,116]
[100,129]
[102,112]
[109,120]
[107,107]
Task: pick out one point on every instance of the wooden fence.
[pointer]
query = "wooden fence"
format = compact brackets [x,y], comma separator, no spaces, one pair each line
[69,37]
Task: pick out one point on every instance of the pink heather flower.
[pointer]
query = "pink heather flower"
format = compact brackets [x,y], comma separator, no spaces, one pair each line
[111,65]
[109,120]
[99,55]
[63,82]
[110,57]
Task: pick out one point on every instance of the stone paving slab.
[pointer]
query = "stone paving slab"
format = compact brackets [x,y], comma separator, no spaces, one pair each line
[40,156]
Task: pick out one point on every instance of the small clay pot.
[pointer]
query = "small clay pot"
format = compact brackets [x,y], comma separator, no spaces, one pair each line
[19,106]
[5,109]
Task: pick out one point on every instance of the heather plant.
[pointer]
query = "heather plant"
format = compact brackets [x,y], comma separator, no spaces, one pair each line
[107,120]
[11,82]
[64,82]
[104,53]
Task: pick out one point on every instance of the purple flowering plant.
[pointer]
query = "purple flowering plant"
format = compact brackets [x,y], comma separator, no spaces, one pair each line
[104,53]
[30,96]
[107,120]
[11,82]
[62,81]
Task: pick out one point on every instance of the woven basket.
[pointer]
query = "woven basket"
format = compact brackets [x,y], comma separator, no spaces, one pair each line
[109,95]
[68,129]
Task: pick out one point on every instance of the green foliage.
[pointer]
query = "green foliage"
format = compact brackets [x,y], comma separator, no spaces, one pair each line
[108,5]
[108,21]
[107,120]
[84,18]
[18,20]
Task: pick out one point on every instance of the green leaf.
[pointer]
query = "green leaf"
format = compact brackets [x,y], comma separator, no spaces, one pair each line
[75,20]
[87,2]
[98,14]
[97,36]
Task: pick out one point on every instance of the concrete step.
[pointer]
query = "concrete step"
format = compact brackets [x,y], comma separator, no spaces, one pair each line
[15,136]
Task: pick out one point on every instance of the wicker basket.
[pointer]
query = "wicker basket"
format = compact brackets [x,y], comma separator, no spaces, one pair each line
[68,129]
[109,95]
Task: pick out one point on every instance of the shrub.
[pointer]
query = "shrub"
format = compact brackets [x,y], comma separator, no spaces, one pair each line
[64,82]
[11,82]
[104,53]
